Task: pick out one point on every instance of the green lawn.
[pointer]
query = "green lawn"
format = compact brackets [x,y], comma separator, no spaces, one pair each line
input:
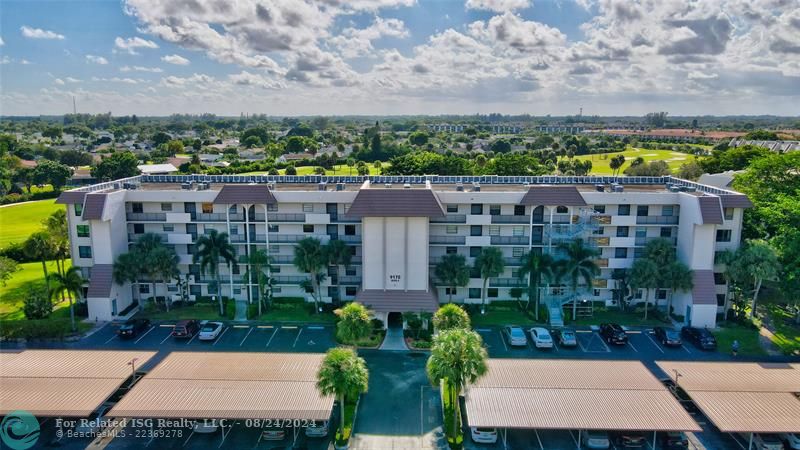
[199,311]
[339,170]
[600,161]
[298,314]
[501,314]
[17,222]
[787,333]
[748,340]
[635,318]
[15,290]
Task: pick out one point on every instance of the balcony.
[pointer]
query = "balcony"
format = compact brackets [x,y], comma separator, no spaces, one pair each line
[258,238]
[603,219]
[237,238]
[352,281]
[133,237]
[146,217]
[600,241]
[656,220]
[289,238]
[513,262]
[257,217]
[287,218]
[282,260]
[506,282]
[511,219]
[350,238]
[445,240]
[450,218]
[602,262]
[600,283]
[562,218]
[236,217]
[645,240]
[211,217]
[509,240]
[290,279]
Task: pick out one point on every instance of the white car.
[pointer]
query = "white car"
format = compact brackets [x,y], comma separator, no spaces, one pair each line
[595,439]
[484,435]
[318,429]
[210,330]
[541,337]
[792,440]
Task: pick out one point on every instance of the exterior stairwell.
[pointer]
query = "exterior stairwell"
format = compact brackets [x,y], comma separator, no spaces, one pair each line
[556,318]
[555,305]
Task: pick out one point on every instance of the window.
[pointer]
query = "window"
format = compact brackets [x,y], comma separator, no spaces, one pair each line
[638,252]
[84,251]
[274,248]
[667,210]
[236,269]
[642,210]
[494,230]
[350,230]
[451,229]
[661,294]
[728,213]
[308,207]
[476,230]
[620,252]
[518,231]
[451,250]
[641,232]
[138,228]
[474,272]
[190,249]
[517,252]
[491,292]
[723,235]
[719,278]
[514,273]
[562,209]
[596,292]
[272,207]
[166,206]
[494,210]
[519,210]
[169,227]
[195,289]
[273,228]
[476,209]
[207,208]
[144,288]
[136,207]
[600,209]
[720,299]
[234,231]
[275,269]
[237,291]
[474,292]
[350,271]
[622,231]
[599,230]
[78,209]
[474,252]
[277,290]
[452,208]
[450,291]
[624,210]
[308,228]
[666,232]
[350,291]
[83,230]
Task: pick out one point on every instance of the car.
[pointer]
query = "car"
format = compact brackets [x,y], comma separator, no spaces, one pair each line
[132,328]
[792,440]
[595,439]
[700,337]
[630,439]
[765,441]
[565,337]
[205,426]
[94,423]
[541,337]
[483,435]
[668,336]
[515,336]
[273,434]
[673,440]
[185,329]
[613,333]
[317,429]
[210,331]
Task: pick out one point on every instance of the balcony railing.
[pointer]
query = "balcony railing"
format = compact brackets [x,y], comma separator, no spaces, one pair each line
[512,261]
[602,262]
[562,218]
[457,240]
[600,241]
[257,217]
[237,238]
[146,217]
[349,280]
[284,238]
[509,240]
[657,220]
[646,240]
[354,238]
[450,218]
[290,279]
[511,219]
[289,217]
[506,282]
[211,217]
[603,219]
[133,237]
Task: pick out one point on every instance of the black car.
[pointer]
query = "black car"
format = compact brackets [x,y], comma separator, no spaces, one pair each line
[613,333]
[630,439]
[700,337]
[673,440]
[132,327]
[668,336]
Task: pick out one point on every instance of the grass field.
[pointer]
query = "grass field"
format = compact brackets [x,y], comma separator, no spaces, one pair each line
[339,170]
[17,222]
[600,161]
[15,290]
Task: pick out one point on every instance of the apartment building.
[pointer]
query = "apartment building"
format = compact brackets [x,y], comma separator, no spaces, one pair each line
[399,228]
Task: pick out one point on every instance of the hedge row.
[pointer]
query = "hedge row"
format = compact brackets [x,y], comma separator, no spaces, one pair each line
[37,329]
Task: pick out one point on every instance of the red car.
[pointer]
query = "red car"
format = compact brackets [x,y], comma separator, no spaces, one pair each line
[185,329]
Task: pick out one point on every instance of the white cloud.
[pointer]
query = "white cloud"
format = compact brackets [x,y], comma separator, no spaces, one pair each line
[140,69]
[59,81]
[96,59]
[72,80]
[38,33]
[120,80]
[354,42]
[194,80]
[24,62]
[498,5]
[175,59]
[2,42]
[5,60]
[245,78]
[131,44]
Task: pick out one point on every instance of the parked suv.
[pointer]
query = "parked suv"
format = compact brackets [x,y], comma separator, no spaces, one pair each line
[630,439]
[700,337]
[133,327]
[673,440]
[185,329]
[613,333]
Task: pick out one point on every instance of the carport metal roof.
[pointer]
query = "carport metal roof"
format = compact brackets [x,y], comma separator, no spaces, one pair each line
[63,383]
[742,397]
[200,385]
[572,394]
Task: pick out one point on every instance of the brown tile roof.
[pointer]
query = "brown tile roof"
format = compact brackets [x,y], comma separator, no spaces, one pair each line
[710,210]
[93,206]
[100,281]
[398,301]
[70,197]
[231,194]
[553,196]
[735,201]
[381,202]
[704,291]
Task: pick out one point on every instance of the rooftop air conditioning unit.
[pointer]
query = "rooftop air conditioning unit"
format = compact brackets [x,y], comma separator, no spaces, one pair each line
[186,186]
[619,188]
[387,185]
[339,186]
[691,189]
[407,186]
[460,187]
[476,187]
[322,187]
[600,187]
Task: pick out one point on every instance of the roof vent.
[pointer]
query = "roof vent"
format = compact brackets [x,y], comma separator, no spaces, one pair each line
[674,188]
[600,188]
[271,186]
[187,186]
[203,186]
[476,187]
[339,186]
[130,186]
[619,188]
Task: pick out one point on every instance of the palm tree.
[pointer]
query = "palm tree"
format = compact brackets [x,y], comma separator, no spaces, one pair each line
[257,262]
[338,253]
[39,246]
[678,277]
[56,225]
[310,258]
[450,316]
[344,375]
[645,275]
[147,250]
[457,358]
[490,263]
[127,269]
[536,266]
[165,264]
[755,263]
[354,323]
[452,271]
[578,266]
[660,251]
[212,248]
[71,284]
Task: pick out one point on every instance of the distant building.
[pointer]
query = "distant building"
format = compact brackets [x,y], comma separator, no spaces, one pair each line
[775,146]
[676,134]
[568,129]
[288,157]
[157,169]
[722,180]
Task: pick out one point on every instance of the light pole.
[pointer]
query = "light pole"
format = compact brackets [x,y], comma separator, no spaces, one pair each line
[677,375]
[132,363]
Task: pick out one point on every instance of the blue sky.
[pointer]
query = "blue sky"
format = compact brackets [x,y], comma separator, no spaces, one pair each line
[287,57]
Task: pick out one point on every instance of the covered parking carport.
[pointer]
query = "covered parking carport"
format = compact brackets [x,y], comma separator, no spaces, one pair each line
[737,397]
[260,389]
[573,395]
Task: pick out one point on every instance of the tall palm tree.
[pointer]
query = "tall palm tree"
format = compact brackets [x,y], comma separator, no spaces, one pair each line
[452,271]
[71,284]
[212,249]
[458,357]
[258,262]
[148,249]
[338,253]
[536,267]
[310,258]
[645,275]
[450,316]
[490,263]
[344,375]
[39,246]
[165,263]
[679,277]
[579,265]
[354,323]
[126,269]
[56,225]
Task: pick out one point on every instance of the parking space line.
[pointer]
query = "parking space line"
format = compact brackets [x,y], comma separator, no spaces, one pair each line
[634,348]
[166,325]
[654,342]
[187,439]
[245,336]
[220,336]
[241,326]
[503,338]
[274,332]
[165,339]
[555,346]
[603,342]
[736,439]
[298,337]
[111,339]
[316,327]
[195,335]
[686,348]
[577,444]
[145,334]
[289,327]
[541,447]
[264,326]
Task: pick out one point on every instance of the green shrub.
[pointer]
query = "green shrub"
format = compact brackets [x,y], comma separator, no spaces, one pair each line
[36,305]
[252,311]
[37,329]
[377,324]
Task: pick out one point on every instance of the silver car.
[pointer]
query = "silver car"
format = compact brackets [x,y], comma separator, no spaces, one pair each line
[515,336]
[595,439]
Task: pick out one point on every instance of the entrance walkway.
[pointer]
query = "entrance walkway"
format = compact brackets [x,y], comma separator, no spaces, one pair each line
[394,340]
[241,310]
